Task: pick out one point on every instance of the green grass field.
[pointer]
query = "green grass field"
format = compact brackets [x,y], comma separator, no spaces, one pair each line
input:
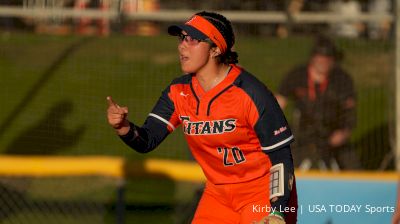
[54,92]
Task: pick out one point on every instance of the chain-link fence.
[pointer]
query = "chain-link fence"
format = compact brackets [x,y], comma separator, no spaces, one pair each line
[66,75]
[57,200]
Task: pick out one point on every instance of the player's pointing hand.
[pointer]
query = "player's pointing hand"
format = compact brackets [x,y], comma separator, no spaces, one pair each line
[117,117]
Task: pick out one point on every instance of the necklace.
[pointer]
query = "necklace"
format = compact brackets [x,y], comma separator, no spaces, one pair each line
[217,80]
[207,85]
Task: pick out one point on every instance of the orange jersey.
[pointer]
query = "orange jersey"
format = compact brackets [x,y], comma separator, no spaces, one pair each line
[228,128]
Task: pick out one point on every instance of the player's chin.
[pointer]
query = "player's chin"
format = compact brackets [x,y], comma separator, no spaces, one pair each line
[186,69]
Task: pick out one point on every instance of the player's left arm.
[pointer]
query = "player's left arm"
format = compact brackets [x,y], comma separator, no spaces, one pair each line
[275,137]
[282,157]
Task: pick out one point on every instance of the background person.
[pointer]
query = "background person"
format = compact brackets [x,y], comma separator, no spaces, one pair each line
[325,113]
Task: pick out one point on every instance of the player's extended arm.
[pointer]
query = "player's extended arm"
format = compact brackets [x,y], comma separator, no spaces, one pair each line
[141,139]
[146,138]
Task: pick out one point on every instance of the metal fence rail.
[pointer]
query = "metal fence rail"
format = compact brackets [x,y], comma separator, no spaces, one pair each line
[180,15]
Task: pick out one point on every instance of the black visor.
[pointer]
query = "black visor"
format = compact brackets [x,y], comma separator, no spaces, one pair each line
[176,30]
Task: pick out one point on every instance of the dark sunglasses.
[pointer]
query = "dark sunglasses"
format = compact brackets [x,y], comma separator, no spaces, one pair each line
[190,40]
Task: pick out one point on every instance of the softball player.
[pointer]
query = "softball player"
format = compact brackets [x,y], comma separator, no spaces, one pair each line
[234,127]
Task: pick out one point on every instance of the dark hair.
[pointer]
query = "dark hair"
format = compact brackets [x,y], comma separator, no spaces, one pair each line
[224,26]
[325,46]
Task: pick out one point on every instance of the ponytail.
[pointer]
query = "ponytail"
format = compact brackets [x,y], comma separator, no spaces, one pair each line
[229,57]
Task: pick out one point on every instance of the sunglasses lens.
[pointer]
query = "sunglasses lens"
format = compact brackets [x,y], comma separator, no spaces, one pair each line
[181,37]
[188,39]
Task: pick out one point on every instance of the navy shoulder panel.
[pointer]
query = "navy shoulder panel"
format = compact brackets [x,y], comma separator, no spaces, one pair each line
[271,127]
[256,90]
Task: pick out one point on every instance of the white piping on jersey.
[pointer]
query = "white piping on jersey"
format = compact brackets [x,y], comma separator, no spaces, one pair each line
[277,144]
[162,119]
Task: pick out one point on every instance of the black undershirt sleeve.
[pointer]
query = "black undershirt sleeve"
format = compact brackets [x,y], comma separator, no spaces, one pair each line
[146,138]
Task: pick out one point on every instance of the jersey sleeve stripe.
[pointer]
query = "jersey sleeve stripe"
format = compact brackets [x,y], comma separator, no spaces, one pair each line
[278,144]
[163,120]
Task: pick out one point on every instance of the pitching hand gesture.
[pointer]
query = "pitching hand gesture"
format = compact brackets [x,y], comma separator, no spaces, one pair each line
[117,117]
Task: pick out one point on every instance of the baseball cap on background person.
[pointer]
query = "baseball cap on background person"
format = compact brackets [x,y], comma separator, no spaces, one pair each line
[325,46]
[210,26]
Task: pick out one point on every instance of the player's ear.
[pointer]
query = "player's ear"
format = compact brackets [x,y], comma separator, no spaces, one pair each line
[215,52]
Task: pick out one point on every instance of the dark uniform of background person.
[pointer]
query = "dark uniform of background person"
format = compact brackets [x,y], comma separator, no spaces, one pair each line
[324,110]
